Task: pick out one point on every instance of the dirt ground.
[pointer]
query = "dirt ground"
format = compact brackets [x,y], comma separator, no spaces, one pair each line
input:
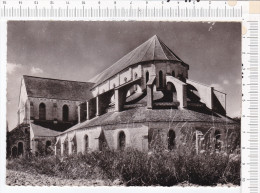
[18,178]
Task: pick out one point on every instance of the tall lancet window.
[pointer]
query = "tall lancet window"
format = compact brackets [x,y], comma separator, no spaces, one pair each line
[171,139]
[65,113]
[147,76]
[42,111]
[217,140]
[173,73]
[121,140]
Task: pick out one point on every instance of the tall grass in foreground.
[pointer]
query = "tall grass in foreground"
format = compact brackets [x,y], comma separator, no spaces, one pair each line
[135,168]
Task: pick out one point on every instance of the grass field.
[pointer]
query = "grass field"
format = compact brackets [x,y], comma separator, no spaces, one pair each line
[135,168]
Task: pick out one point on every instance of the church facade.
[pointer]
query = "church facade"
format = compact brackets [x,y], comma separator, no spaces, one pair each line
[145,99]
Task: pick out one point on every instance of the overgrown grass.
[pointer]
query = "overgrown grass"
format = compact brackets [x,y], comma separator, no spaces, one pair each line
[135,168]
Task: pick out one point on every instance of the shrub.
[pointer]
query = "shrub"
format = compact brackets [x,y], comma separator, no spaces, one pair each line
[135,168]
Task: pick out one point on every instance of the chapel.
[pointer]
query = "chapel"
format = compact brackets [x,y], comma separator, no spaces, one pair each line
[144,100]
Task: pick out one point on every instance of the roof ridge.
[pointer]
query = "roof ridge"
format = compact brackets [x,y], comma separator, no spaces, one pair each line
[56,79]
[135,56]
[57,89]
[161,42]
[114,64]
[147,49]
[154,47]
[161,46]
[123,57]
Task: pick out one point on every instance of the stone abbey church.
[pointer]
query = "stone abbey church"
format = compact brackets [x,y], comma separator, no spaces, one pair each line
[144,99]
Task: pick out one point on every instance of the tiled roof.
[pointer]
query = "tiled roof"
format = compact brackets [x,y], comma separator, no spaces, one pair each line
[57,89]
[40,131]
[142,114]
[152,49]
[58,126]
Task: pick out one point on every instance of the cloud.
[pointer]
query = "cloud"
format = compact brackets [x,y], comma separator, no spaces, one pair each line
[35,70]
[217,87]
[11,67]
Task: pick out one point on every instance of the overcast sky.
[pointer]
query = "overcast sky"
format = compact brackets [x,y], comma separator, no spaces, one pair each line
[79,50]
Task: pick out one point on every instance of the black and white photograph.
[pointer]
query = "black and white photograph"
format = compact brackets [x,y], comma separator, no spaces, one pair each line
[123,103]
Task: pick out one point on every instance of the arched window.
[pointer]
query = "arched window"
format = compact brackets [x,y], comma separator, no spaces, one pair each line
[42,111]
[160,79]
[171,139]
[136,76]
[26,131]
[20,149]
[121,140]
[48,149]
[14,151]
[48,143]
[217,134]
[173,73]
[86,143]
[217,140]
[65,113]
[147,77]
[181,77]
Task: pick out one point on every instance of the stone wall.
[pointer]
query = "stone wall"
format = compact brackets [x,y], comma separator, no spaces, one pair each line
[141,135]
[21,134]
[125,76]
[167,68]
[54,108]
[40,145]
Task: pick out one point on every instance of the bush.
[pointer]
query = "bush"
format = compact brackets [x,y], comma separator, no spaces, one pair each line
[135,168]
